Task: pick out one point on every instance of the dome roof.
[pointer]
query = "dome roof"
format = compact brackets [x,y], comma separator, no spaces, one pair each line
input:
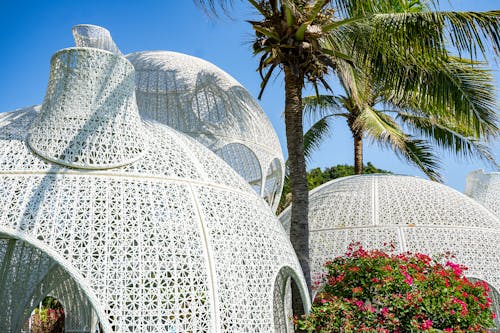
[484,187]
[168,238]
[199,99]
[414,214]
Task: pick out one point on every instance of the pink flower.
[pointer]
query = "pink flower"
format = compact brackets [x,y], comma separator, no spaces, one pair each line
[426,324]
[457,269]
[359,304]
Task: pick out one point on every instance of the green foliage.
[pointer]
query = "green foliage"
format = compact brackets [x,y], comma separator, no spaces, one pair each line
[49,318]
[373,291]
[316,177]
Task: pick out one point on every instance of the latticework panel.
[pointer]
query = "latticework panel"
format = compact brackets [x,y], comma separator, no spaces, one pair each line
[175,240]
[79,314]
[484,187]
[244,162]
[197,98]
[283,314]
[27,274]
[273,183]
[88,35]
[413,214]
[92,112]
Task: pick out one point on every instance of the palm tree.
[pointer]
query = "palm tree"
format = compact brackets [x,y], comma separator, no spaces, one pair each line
[450,128]
[450,103]
[304,39]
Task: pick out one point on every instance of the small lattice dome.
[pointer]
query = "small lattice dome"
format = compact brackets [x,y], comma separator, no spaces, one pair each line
[414,214]
[149,227]
[197,98]
[484,187]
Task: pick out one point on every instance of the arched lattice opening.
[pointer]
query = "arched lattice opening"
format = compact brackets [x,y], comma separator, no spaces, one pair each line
[282,300]
[244,161]
[495,305]
[28,275]
[47,317]
[274,177]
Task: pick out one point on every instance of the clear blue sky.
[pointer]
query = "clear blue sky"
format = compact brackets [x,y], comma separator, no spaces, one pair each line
[31,31]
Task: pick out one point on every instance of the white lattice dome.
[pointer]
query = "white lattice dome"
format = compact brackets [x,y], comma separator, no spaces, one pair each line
[484,187]
[142,225]
[414,214]
[198,98]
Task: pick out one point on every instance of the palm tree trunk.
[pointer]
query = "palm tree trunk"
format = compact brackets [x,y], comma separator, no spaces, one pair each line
[299,229]
[358,153]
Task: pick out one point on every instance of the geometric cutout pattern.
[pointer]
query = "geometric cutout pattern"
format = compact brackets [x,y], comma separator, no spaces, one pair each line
[199,99]
[89,116]
[244,162]
[88,35]
[79,315]
[414,214]
[484,188]
[173,241]
[274,183]
[27,274]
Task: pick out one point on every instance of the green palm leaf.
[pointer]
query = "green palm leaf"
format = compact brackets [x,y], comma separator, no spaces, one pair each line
[385,131]
[315,136]
[457,138]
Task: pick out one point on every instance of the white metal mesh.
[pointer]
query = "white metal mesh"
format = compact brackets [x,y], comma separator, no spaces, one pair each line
[79,313]
[414,214]
[88,35]
[484,187]
[197,98]
[93,123]
[174,240]
[27,274]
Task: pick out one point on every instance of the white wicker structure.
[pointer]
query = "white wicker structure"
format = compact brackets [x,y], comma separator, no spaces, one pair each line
[88,35]
[484,187]
[198,98]
[148,229]
[414,214]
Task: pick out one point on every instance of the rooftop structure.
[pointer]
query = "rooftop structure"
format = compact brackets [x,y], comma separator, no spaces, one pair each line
[149,230]
[484,187]
[413,214]
[199,99]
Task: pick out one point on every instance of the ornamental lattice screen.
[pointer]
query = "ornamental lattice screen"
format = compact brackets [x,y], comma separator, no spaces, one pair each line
[154,231]
[484,187]
[197,98]
[414,214]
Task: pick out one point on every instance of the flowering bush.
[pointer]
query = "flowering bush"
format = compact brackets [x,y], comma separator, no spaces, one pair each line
[49,318]
[372,291]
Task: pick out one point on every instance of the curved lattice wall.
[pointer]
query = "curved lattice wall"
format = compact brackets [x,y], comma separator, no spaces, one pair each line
[159,232]
[414,214]
[484,187]
[199,99]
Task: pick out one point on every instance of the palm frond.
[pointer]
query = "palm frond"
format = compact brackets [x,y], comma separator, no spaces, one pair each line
[457,88]
[385,131]
[316,107]
[214,7]
[315,136]
[454,137]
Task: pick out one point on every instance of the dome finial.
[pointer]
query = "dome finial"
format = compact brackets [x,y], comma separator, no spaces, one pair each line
[89,116]
[88,35]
